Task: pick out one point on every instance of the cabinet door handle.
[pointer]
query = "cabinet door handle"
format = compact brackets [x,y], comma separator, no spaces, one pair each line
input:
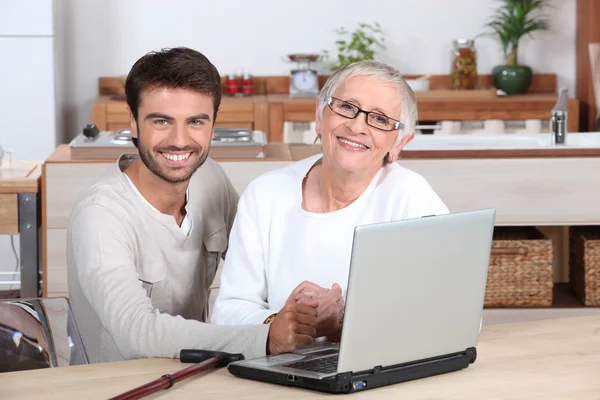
[506,251]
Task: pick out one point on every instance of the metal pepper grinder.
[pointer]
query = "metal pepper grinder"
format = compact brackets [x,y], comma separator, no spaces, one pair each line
[558,121]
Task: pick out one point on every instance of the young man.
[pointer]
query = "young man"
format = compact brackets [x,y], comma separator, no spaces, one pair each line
[145,241]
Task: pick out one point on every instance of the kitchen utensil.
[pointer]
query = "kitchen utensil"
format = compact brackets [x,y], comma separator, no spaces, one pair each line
[304,80]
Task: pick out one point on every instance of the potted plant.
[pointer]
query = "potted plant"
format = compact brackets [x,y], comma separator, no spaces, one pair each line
[362,44]
[511,21]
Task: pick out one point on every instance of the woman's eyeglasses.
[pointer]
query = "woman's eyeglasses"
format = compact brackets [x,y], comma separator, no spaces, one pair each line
[374,119]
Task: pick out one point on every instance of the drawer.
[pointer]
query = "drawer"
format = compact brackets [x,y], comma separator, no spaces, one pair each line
[236,112]
[247,108]
[117,118]
[9,214]
[235,117]
[238,125]
[117,108]
[117,126]
[298,112]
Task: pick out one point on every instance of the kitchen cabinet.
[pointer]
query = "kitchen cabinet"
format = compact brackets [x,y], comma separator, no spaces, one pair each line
[527,180]
[436,107]
[271,105]
[111,113]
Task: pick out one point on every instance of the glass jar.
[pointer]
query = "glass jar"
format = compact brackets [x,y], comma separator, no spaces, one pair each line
[464,66]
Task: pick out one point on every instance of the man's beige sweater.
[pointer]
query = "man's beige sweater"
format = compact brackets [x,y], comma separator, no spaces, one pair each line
[138,285]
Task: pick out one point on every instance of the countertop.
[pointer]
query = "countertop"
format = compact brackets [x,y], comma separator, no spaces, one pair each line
[505,145]
[550,359]
[438,146]
[20,176]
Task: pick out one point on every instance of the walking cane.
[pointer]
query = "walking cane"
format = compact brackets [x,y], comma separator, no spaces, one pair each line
[205,360]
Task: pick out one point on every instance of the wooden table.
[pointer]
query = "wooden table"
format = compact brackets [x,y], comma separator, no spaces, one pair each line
[550,359]
[19,214]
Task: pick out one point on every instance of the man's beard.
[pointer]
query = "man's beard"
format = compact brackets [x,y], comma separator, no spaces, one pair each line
[149,159]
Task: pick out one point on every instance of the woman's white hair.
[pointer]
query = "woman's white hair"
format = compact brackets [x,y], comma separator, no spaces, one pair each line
[381,73]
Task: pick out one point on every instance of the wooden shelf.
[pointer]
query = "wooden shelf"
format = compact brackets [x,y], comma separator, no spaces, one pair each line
[110,112]
[564,297]
[271,105]
[436,108]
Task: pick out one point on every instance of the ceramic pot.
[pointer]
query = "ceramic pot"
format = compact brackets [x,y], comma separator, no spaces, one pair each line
[512,79]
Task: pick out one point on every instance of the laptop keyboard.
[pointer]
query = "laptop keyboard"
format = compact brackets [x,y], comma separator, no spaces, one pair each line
[324,365]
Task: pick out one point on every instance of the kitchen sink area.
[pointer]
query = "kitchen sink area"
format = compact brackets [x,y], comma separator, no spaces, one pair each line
[491,141]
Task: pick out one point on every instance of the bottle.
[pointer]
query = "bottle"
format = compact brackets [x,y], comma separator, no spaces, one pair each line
[464,65]
[232,84]
[247,85]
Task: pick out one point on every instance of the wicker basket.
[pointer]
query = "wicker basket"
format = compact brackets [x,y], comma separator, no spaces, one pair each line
[584,260]
[520,272]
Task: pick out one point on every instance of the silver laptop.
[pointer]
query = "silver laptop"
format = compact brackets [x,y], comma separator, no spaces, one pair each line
[413,308]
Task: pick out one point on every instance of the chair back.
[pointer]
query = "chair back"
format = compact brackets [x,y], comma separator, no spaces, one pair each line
[38,333]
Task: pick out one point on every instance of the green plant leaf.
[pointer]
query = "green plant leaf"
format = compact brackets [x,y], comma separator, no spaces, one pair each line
[514,19]
[360,44]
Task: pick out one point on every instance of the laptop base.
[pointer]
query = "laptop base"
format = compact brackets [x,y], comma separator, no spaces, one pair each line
[357,382]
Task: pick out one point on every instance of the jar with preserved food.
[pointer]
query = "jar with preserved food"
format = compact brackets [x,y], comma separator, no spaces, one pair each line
[464,66]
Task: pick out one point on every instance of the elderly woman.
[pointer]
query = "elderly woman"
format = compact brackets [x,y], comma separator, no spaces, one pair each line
[292,236]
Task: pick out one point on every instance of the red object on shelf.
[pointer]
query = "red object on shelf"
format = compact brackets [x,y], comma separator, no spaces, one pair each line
[247,85]
[232,84]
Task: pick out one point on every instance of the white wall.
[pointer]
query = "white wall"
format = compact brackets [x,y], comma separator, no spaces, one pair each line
[27,89]
[29,95]
[105,37]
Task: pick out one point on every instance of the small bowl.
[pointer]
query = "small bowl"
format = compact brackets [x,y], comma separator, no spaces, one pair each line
[418,84]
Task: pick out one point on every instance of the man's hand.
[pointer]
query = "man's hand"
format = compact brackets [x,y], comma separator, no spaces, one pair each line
[294,325]
[330,306]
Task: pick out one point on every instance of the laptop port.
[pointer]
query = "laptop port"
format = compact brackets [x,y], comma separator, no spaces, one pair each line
[359,385]
[292,378]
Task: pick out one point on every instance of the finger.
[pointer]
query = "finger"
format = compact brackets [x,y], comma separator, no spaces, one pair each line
[309,308]
[296,292]
[336,290]
[325,307]
[328,301]
[304,339]
[308,301]
[308,285]
[303,286]
[312,293]
[291,301]
[306,319]
[306,330]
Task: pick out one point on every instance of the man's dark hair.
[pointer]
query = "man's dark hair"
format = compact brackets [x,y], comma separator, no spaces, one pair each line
[177,68]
